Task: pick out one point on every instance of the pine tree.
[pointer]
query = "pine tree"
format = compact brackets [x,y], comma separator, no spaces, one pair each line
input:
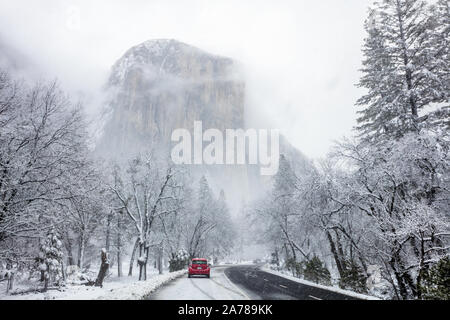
[353,278]
[52,259]
[205,197]
[379,111]
[284,208]
[202,220]
[436,282]
[316,271]
[404,68]
[284,180]
[224,233]
[438,43]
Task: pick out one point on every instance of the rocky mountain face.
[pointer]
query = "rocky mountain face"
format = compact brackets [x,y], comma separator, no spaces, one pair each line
[162,85]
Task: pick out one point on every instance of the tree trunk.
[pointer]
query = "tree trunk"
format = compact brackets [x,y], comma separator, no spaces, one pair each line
[108,232]
[81,244]
[133,256]
[119,264]
[335,255]
[408,73]
[119,248]
[143,258]
[160,256]
[10,283]
[141,262]
[145,263]
[63,271]
[103,269]
[69,248]
[46,280]
[340,251]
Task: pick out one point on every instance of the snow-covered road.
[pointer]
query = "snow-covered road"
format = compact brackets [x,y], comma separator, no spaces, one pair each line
[218,287]
[238,282]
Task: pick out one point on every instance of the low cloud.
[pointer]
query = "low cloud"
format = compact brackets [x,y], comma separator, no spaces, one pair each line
[301,57]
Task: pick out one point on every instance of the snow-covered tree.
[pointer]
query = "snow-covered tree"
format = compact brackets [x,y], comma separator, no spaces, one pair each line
[51,259]
[285,220]
[179,260]
[401,189]
[209,229]
[146,194]
[43,150]
[405,67]
[224,234]
[201,222]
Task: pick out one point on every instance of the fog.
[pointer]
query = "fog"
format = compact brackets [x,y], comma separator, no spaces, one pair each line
[301,57]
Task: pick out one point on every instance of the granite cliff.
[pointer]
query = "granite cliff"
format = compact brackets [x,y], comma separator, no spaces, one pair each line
[161,85]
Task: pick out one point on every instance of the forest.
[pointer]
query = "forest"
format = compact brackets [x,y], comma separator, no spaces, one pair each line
[377,208]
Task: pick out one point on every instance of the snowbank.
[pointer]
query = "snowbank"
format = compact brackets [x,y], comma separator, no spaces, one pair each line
[124,288]
[139,290]
[312,284]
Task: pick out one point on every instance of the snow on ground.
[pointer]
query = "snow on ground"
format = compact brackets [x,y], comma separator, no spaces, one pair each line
[218,287]
[139,290]
[123,288]
[312,284]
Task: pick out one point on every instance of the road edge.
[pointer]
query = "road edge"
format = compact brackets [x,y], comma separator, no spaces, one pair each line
[234,285]
[316,285]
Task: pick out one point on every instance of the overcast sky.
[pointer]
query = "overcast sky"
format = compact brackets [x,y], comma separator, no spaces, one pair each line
[301,56]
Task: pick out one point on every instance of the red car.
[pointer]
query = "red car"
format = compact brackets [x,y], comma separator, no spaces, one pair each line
[199,266]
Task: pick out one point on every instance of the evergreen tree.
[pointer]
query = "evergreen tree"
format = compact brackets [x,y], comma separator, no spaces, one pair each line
[52,259]
[353,278]
[438,44]
[316,271]
[205,197]
[284,179]
[224,233]
[202,221]
[436,282]
[405,68]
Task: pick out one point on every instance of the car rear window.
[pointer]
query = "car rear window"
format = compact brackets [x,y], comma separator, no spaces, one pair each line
[199,262]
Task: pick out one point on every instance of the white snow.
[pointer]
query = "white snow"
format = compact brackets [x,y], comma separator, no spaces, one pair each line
[124,288]
[139,290]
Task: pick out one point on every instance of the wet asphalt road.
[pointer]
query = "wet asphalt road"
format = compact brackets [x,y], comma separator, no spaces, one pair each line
[258,284]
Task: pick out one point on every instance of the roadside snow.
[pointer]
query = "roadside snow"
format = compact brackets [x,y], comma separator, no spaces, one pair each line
[124,288]
[139,290]
[312,284]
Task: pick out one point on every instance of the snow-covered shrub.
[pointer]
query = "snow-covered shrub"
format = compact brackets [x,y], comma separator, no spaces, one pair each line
[316,271]
[295,267]
[353,278]
[436,281]
[75,276]
[274,260]
[179,261]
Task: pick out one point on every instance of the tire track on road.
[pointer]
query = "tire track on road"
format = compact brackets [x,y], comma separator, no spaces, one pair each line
[201,290]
